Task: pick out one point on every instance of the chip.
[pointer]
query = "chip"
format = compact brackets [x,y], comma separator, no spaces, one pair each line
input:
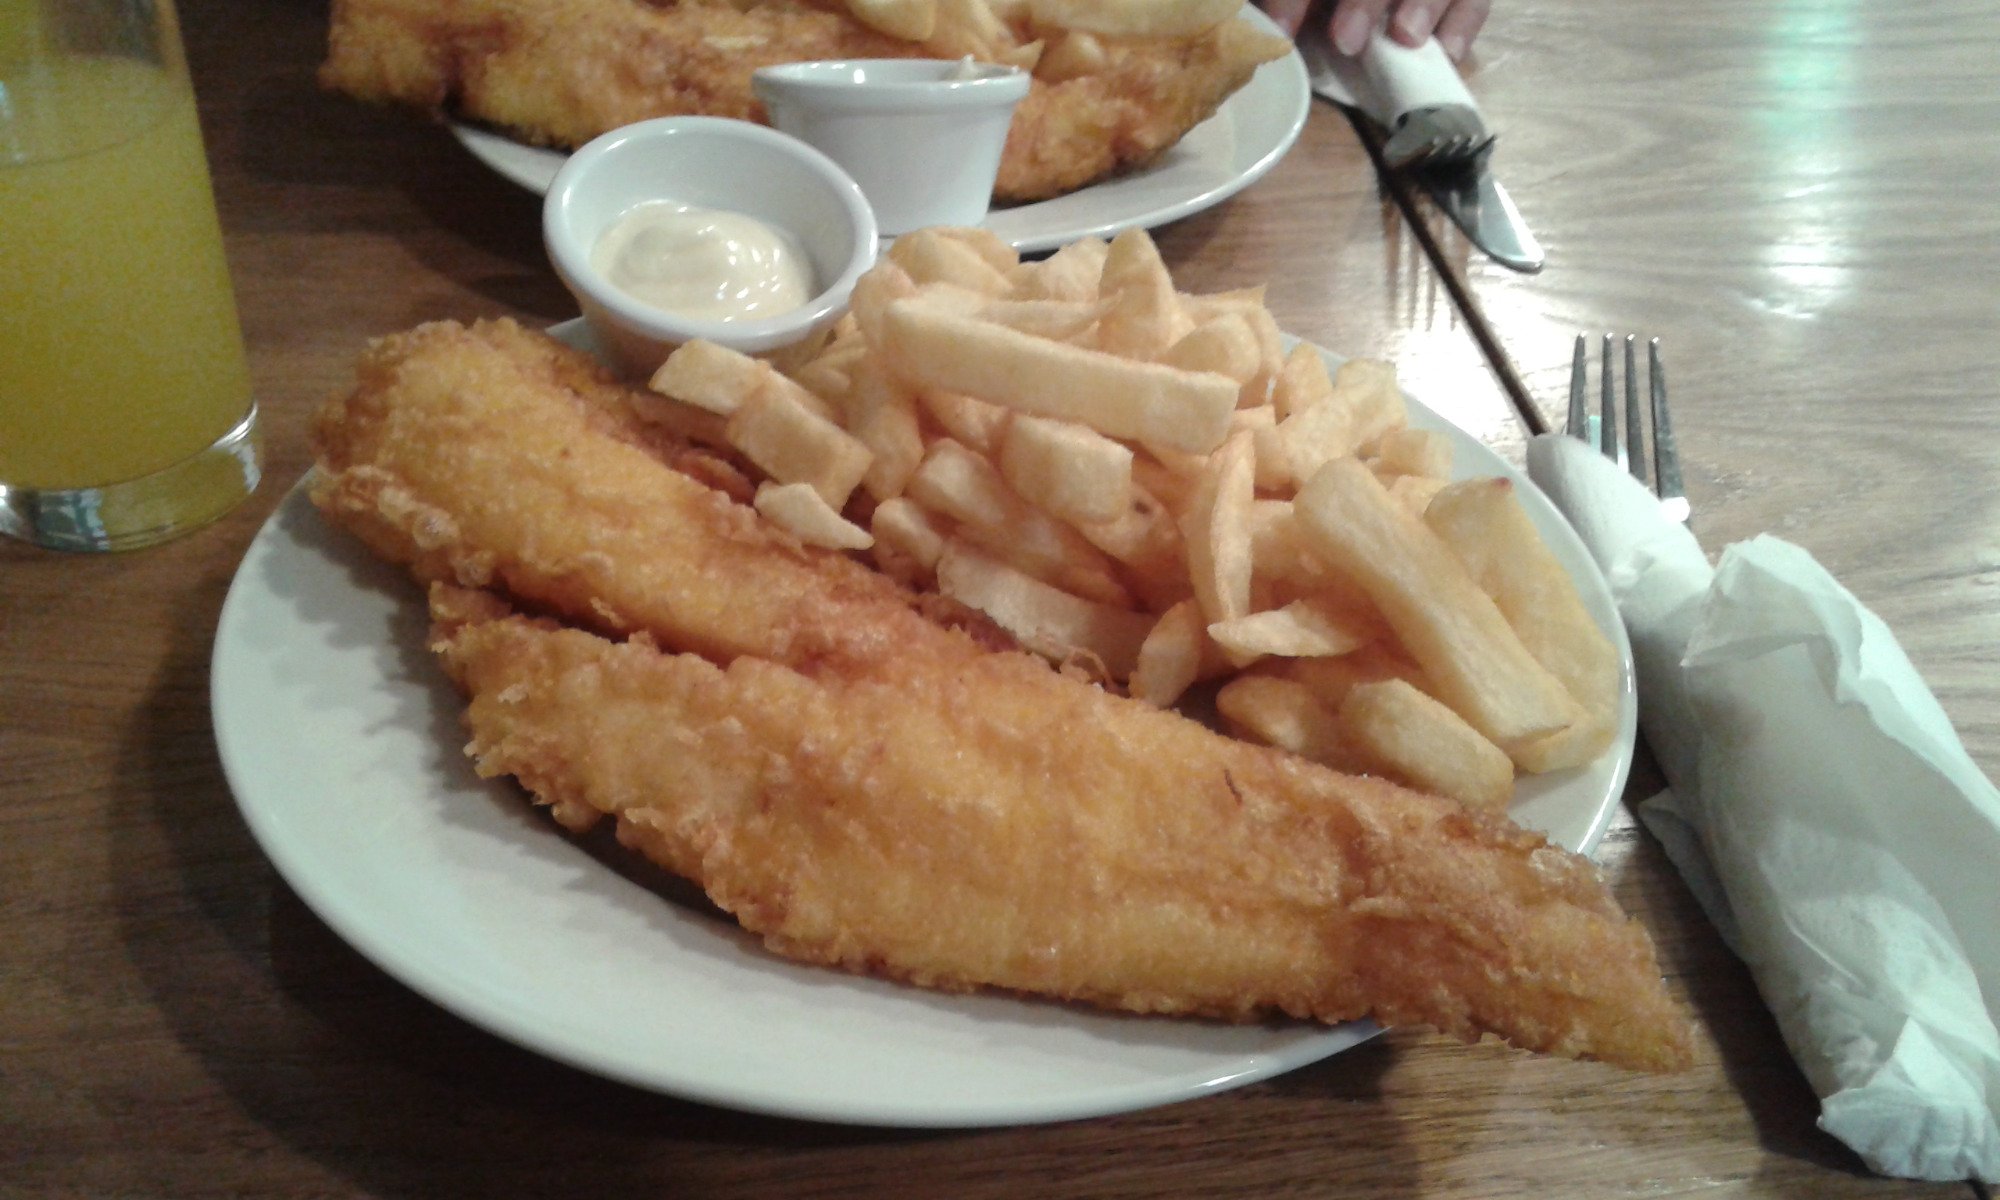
[1045,619]
[1448,625]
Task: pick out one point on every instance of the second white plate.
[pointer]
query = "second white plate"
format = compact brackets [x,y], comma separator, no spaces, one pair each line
[1218,158]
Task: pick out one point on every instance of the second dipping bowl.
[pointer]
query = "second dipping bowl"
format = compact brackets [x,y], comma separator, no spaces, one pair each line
[922,137]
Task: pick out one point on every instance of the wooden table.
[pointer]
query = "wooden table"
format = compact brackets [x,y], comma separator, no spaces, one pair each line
[173,1021]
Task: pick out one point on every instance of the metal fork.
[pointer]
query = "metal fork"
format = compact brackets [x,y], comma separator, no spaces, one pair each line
[1439,138]
[1602,429]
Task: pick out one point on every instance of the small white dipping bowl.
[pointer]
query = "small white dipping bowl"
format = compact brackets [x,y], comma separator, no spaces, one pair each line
[708,162]
[922,136]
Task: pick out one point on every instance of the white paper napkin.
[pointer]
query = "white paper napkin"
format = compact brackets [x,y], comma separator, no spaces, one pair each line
[1387,80]
[1824,813]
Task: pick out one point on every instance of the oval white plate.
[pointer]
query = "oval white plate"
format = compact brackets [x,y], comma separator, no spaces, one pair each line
[1218,158]
[341,741]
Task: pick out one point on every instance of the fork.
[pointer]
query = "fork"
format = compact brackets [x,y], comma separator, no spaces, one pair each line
[1602,429]
[1439,138]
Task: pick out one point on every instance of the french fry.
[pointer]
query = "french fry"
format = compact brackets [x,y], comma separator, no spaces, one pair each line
[987,244]
[1449,625]
[1425,453]
[1274,463]
[879,286]
[1414,492]
[909,20]
[1270,351]
[1068,471]
[1278,712]
[708,376]
[1224,345]
[1368,387]
[1071,273]
[1217,532]
[794,444]
[933,256]
[882,415]
[1062,320]
[1331,679]
[1147,540]
[1144,314]
[798,508]
[1045,619]
[967,488]
[1173,486]
[1171,657]
[1363,405]
[1302,382]
[829,376]
[973,423]
[1416,740]
[1302,629]
[1493,536]
[908,541]
[1183,410]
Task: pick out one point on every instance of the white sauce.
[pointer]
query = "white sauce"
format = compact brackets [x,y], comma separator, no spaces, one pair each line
[703,263]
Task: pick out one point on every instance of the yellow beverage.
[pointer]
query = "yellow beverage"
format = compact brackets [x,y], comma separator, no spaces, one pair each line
[120,352]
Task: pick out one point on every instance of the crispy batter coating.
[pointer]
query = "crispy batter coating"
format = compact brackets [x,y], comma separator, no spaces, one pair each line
[869,789]
[992,823]
[492,456]
[560,72]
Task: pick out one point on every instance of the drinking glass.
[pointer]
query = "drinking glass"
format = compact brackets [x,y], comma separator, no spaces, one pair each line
[125,408]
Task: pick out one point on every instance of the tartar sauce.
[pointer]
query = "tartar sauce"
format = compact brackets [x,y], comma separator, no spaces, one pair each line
[704,263]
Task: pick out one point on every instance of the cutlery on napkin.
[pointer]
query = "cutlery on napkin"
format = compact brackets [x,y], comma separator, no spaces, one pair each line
[1823,812]
[1395,85]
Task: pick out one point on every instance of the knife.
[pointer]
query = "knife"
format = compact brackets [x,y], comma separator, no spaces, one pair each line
[1478,205]
[1391,84]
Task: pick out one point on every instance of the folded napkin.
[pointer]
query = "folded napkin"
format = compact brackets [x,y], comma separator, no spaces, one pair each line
[1824,813]
[1387,80]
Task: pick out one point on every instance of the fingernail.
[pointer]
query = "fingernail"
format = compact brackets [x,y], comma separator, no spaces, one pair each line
[1414,21]
[1454,46]
[1351,30]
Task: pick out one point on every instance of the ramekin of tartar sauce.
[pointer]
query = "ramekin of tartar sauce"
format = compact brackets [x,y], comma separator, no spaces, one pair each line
[699,227]
[922,137]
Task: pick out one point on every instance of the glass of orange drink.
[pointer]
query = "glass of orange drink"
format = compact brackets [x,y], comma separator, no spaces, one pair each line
[125,409]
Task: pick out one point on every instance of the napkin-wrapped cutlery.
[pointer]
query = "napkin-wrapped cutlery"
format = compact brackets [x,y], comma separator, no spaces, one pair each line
[1417,96]
[1824,813]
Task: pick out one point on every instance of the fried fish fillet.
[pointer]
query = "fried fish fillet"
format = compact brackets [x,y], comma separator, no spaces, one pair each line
[866,788]
[492,456]
[993,823]
[560,72]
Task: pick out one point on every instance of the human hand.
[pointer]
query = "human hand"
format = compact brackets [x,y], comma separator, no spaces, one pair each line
[1453,22]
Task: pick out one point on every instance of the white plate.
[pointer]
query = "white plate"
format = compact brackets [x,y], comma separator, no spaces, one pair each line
[341,741]
[1218,158]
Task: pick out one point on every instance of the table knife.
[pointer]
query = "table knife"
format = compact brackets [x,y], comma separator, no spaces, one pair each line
[1474,200]
[1390,84]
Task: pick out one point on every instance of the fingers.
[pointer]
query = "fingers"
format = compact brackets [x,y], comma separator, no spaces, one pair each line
[1354,21]
[1288,15]
[1460,24]
[1453,22]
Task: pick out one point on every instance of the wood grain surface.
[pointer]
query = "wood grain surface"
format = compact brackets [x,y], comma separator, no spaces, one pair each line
[175,1022]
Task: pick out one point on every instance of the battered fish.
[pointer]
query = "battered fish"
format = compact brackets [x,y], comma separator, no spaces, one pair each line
[491,456]
[560,72]
[993,823]
[866,788]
